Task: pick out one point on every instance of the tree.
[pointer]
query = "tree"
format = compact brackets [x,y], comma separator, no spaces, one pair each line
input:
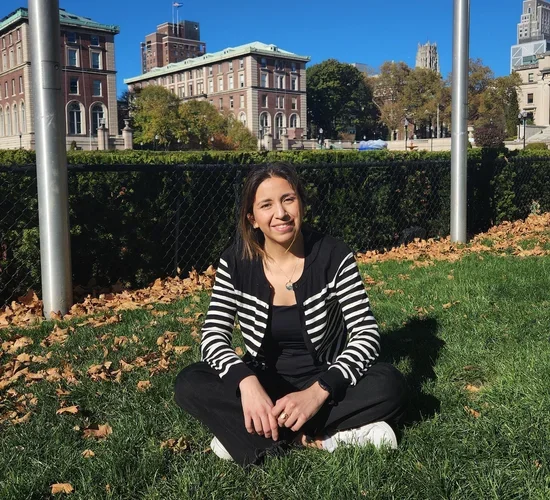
[156,116]
[480,78]
[124,107]
[239,136]
[339,99]
[200,123]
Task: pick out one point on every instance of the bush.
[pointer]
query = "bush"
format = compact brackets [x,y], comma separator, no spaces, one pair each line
[489,135]
[147,219]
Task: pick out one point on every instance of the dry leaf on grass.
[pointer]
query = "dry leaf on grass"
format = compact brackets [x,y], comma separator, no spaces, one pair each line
[97,431]
[143,385]
[472,412]
[88,454]
[472,388]
[180,349]
[73,410]
[176,445]
[58,488]
[239,351]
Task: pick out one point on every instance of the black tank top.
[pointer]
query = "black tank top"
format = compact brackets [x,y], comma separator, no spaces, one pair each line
[285,349]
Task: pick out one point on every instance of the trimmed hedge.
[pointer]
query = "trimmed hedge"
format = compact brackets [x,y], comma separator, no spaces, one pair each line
[124,222]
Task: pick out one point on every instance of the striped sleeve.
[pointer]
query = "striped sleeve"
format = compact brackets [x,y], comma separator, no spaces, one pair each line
[217,330]
[363,345]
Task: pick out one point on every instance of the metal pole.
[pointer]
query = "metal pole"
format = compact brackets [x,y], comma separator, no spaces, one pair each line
[459,141]
[524,120]
[51,156]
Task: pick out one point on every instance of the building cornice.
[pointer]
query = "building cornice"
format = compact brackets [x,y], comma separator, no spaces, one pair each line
[65,19]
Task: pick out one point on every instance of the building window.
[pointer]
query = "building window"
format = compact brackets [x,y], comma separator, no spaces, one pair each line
[219,68]
[190,93]
[280,102]
[220,84]
[294,103]
[210,86]
[241,101]
[264,80]
[230,65]
[531,77]
[8,121]
[293,67]
[23,118]
[241,80]
[71,37]
[96,88]
[20,84]
[279,65]
[6,89]
[241,63]
[230,82]
[529,98]
[279,124]
[220,103]
[294,83]
[280,82]
[11,38]
[95,60]
[294,123]
[242,118]
[94,40]
[4,62]
[231,106]
[19,58]
[210,70]
[12,59]
[264,101]
[263,62]
[73,85]
[97,117]
[16,130]
[72,57]
[200,88]
[75,119]
[13,86]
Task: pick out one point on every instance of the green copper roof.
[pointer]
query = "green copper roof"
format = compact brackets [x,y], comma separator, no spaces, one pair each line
[65,18]
[242,50]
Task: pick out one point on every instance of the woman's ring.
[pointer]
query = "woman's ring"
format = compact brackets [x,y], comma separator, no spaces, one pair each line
[283,416]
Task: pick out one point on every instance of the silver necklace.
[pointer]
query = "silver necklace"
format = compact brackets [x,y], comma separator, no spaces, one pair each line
[288,285]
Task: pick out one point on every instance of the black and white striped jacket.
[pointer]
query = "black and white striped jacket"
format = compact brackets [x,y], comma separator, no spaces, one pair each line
[339,328]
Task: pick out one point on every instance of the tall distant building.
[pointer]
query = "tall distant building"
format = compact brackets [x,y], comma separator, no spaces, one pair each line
[533,34]
[427,56]
[171,43]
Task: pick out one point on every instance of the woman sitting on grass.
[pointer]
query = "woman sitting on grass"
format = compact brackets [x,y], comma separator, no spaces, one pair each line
[310,375]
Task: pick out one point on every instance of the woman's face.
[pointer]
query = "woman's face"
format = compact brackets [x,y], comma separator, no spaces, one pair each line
[277,211]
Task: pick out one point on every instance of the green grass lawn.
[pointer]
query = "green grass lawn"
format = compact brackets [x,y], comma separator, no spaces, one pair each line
[472,337]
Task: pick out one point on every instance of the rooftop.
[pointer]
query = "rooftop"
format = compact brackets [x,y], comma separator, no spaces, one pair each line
[241,50]
[65,18]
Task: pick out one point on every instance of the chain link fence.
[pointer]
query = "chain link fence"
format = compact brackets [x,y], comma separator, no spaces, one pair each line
[134,224]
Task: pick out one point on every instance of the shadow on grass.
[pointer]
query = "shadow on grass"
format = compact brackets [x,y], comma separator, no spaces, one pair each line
[418,343]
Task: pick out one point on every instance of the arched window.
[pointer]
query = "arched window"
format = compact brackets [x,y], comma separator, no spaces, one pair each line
[265,123]
[23,119]
[97,116]
[15,120]
[8,121]
[75,118]
[294,121]
[242,118]
[279,125]
[1,122]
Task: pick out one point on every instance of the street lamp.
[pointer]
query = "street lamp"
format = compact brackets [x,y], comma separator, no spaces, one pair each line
[20,139]
[321,137]
[523,116]
[156,140]
[406,132]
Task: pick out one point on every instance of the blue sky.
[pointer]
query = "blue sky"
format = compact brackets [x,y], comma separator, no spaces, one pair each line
[370,32]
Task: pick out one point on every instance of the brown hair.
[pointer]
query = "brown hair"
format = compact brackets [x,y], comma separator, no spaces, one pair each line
[252,240]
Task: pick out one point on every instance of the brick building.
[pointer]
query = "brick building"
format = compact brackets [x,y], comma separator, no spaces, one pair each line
[88,80]
[171,43]
[261,85]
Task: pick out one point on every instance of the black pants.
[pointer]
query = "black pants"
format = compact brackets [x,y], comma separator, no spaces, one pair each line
[379,396]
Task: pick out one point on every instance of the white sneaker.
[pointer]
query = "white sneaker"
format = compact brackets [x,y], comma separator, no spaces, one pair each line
[219,449]
[378,433]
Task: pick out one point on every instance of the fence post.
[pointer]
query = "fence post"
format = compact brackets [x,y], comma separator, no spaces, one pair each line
[51,156]
[459,141]
[177,237]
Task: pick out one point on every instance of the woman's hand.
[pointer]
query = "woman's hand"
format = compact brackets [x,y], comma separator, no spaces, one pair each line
[296,408]
[257,407]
